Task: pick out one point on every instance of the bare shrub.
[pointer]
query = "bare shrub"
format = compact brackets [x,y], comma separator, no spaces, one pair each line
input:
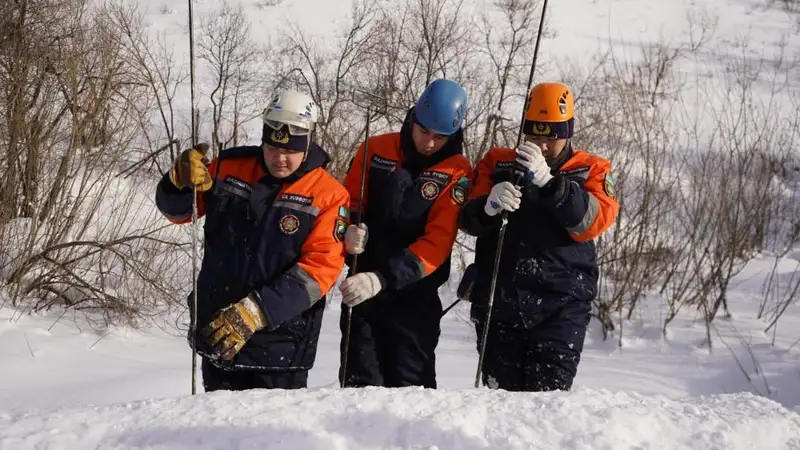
[89,111]
[624,109]
[235,63]
[394,49]
[152,65]
[728,208]
[327,73]
[509,47]
[70,233]
[697,166]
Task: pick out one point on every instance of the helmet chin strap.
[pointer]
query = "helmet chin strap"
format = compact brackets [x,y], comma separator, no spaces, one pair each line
[308,142]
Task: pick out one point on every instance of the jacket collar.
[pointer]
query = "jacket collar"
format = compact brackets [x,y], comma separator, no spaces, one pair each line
[416,161]
[316,157]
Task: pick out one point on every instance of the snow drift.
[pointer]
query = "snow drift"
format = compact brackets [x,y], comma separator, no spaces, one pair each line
[412,418]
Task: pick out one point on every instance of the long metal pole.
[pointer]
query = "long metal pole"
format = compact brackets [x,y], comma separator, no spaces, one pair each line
[353,269]
[504,215]
[195,224]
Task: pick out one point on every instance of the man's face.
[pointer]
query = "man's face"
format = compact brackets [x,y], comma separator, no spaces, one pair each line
[281,162]
[427,142]
[551,148]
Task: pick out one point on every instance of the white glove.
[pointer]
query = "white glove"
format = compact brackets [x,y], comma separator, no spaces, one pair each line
[355,239]
[530,156]
[360,287]
[503,196]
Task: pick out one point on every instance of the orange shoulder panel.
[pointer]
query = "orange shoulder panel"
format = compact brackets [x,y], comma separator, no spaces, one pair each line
[481,176]
[385,146]
[600,185]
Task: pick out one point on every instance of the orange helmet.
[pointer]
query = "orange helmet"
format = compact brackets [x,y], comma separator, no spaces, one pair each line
[550,111]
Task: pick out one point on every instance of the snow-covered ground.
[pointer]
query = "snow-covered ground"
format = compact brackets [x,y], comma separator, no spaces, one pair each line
[53,362]
[413,418]
[65,386]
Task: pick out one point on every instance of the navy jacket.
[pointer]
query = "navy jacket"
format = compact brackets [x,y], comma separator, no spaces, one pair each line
[280,239]
[548,256]
[411,208]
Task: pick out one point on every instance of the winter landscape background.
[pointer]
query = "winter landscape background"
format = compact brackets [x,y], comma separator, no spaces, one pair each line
[696,339]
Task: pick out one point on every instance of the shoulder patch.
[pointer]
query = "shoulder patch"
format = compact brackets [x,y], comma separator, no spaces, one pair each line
[339,230]
[608,186]
[460,190]
[459,194]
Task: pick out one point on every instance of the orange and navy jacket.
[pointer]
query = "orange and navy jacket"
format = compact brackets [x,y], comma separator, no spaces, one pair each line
[548,254]
[280,239]
[411,206]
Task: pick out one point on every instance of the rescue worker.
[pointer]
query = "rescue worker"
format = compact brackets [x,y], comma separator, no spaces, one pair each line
[548,271]
[274,246]
[416,183]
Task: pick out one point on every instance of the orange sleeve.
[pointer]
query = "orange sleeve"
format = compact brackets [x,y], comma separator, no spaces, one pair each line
[481,176]
[323,250]
[352,180]
[602,209]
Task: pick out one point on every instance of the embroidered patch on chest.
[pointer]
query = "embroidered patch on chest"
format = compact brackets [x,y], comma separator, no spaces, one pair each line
[429,190]
[289,224]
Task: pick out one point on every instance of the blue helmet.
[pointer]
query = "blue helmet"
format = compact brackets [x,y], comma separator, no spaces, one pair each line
[441,107]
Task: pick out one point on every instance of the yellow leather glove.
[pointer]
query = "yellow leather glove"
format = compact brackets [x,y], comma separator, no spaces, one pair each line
[190,169]
[232,326]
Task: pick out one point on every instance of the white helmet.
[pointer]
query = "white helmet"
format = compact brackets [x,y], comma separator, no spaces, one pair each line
[292,108]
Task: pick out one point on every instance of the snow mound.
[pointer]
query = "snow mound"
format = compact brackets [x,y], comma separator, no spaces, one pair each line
[413,418]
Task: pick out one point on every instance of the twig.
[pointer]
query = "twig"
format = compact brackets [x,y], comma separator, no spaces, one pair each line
[59,318]
[756,364]
[792,346]
[29,345]
[739,363]
[463,245]
[100,245]
[147,158]
[16,309]
[736,358]
[100,339]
